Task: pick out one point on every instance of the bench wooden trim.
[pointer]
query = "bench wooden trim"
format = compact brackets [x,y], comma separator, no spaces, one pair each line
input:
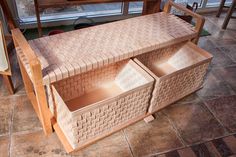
[200,20]
[33,86]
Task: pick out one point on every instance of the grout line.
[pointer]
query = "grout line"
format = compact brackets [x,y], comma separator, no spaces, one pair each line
[217,119]
[10,130]
[175,129]
[27,132]
[197,143]
[127,141]
[12,96]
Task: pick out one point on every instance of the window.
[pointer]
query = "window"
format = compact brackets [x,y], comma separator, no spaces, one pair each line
[212,3]
[26,12]
[135,7]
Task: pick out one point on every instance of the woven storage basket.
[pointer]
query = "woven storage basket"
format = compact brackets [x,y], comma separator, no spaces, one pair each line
[92,105]
[178,71]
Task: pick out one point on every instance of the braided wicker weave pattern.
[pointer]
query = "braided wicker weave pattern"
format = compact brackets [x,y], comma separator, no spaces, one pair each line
[77,85]
[101,118]
[67,54]
[177,86]
[173,87]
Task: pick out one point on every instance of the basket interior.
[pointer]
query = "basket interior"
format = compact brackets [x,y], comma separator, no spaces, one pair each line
[168,60]
[100,84]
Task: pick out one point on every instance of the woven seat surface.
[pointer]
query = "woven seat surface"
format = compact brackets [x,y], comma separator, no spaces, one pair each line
[67,54]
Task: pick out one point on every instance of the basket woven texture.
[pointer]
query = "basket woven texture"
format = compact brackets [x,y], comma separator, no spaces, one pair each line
[68,54]
[101,117]
[185,77]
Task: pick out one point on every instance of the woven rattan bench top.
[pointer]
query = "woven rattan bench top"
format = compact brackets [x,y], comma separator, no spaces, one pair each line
[71,53]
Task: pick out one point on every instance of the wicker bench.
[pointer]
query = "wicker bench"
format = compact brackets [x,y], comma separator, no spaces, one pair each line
[85,84]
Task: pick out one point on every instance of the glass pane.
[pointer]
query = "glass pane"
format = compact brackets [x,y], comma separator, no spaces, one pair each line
[189,2]
[214,3]
[26,10]
[135,7]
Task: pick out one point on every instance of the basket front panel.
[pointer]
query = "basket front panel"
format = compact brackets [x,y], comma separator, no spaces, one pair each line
[102,120]
[175,87]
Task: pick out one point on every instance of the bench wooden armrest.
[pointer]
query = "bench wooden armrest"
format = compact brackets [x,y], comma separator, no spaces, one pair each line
[199,19]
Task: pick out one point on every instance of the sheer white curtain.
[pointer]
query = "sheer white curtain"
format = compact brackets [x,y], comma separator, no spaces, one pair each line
[3,59]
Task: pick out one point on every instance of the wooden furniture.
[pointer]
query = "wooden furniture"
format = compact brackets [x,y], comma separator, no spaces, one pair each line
[150,6]
[229,13]
[62,71]
[7,74]
[7,14]
[5,71]
[189,18]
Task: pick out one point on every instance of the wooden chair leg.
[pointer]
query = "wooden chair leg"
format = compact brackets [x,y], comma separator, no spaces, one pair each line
[229,14]
[8,82]
[222,3]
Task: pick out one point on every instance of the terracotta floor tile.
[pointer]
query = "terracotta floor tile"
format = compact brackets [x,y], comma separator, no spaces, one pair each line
[6,111]
[229,51]
[220,58]
[231,143]
[4,146]
[201,150]
[222,147]
[37,144]
[154,137]
[186,152]
[227,74]
[3,89]
[25,118]
[112,146]
[212,149]
[224,109]
[192,98]
[194,122]
[206,44]
[222,38]
[214,87]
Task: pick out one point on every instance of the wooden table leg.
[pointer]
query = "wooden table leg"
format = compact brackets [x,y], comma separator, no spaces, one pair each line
[8,82]
[222,3]
[38,18]
[229,14]
[150,7]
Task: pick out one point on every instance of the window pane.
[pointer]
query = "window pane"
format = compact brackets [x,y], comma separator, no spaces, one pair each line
[135,7]
[215,3]
[26,10]
[189,2]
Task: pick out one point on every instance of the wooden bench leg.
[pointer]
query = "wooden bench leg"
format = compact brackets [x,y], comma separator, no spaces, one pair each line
[8,82]
[229,14]
[149,119]
[222,3]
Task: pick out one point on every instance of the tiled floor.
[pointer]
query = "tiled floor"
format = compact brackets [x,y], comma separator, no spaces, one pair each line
[187,128]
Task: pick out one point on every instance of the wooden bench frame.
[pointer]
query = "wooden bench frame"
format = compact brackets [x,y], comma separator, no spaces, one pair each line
[34,84]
